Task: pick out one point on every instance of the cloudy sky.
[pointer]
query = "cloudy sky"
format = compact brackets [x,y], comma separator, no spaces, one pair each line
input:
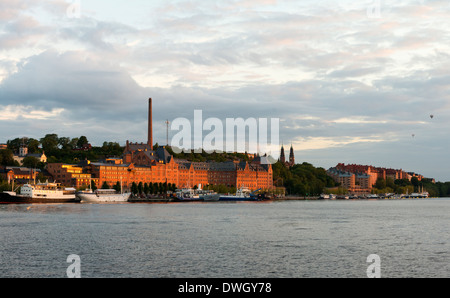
[350,81]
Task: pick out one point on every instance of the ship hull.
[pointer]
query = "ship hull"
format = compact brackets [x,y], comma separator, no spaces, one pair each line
[237,199]
[188,199]
[94,198]
[211,197]
[6,198]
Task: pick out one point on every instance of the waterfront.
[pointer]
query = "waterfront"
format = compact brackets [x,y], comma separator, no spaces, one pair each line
[292,239]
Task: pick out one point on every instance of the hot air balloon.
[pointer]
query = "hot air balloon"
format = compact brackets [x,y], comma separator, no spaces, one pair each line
[431,116]
[413,135]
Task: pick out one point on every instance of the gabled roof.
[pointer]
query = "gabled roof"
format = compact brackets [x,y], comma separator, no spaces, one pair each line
[163,154]
[132,147]
[222,166]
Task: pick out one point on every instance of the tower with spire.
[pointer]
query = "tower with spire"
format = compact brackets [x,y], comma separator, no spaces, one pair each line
[282,159]
[282,156]
[291,157]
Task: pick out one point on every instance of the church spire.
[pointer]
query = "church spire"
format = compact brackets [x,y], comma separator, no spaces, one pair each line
[282,156]
[291,157]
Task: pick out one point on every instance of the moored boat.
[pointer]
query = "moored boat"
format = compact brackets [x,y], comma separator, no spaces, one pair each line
[242,194]
[209,196]
[372,196]
[342,197]
[102,196]
[40,193]
[187,195]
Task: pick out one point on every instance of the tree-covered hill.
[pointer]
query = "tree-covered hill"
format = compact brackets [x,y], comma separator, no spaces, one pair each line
[301,179]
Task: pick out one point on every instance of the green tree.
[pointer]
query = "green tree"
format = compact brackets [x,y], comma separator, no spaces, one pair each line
[73,143]
[380,183]
[15,144]
[140,188]
[146,188]
[134,188]
[390,183]
[117,187]
[415,183]
[93,185]
[7,158]
[111,148]
[105,185]
[155,188]
[82,141]
[30,162]
[33,145]
[50,143]
[64,143]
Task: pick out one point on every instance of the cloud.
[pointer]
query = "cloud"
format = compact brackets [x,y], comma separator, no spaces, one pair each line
[15,112]
[69,79]
[339,81]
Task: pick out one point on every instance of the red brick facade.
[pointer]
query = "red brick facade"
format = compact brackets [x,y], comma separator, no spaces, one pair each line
[150,166]
[141,163]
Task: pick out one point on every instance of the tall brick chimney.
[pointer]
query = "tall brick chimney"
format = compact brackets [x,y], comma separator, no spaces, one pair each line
[150,123]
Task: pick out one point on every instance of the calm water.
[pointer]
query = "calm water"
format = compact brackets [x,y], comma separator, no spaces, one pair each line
[277,239]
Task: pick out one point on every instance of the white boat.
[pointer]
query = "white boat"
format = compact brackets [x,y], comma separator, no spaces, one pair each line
[210,196]
[102,195]
[424,194]
[40,193]
[372,196]
[207,195]
[242,194]
[187,194]
[415,195]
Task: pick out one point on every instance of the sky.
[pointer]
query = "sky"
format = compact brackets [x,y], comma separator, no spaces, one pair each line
[350,82]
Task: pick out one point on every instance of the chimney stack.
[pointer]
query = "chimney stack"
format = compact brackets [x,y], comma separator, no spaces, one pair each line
[150,129]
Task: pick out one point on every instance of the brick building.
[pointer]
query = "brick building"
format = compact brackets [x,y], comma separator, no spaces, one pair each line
[364,176]
[142,163]
[69,175]
[359,183]
[18,174]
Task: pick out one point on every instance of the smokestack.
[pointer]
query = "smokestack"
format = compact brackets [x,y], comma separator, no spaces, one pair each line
[150,129]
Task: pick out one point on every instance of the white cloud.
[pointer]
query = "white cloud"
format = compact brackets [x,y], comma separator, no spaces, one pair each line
[315,143]
[17,112]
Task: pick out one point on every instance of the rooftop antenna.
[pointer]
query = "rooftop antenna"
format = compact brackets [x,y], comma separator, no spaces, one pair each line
[167,132]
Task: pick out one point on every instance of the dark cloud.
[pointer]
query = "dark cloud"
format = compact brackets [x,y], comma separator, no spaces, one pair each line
[70,80]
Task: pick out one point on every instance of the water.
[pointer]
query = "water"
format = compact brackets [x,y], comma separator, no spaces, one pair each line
[277,239]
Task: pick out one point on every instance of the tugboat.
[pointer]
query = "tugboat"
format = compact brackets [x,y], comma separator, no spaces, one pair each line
[40,193]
